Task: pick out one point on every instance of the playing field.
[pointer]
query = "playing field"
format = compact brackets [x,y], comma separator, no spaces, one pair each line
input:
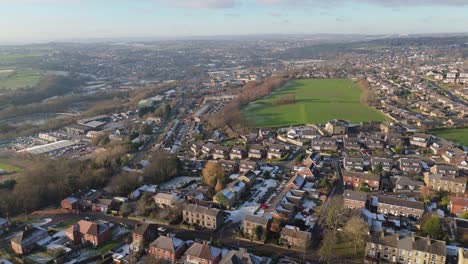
[22,78]
[459,135]
[316,101]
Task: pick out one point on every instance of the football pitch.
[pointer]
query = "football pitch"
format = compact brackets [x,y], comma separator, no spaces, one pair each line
[316,102]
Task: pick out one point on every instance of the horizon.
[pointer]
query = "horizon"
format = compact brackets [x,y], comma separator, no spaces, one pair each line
[39,21]
[238,37]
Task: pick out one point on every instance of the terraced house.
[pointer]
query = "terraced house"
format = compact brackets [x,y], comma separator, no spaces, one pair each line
[354,200]
[397,206]
[209,218]
[393,248]
[357,179]
[438,182]
[256,152]
[252,222]
[324,143]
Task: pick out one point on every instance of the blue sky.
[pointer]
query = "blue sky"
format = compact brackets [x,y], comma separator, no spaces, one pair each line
[39,20]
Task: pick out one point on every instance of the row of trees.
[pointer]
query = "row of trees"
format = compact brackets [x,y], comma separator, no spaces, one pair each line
[367,96]
[231,115]
[48,181]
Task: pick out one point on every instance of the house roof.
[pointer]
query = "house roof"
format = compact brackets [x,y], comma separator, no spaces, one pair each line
[400,202]
[361,175]
[295,233]
[240,257]
[166,196]
[460,201]
[406,181]
[28,234]
[354,195]
[167,243]
[201,210]
[422,244]
[71,200]
[256,219]
[437,176]
[142,228]
[203,251]
[88,228]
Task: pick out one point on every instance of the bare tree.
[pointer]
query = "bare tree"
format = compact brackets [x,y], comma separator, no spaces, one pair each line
[335,210]
[326,250]
[357,231]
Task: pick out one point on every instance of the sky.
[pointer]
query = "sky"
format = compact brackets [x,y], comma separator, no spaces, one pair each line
[54,20]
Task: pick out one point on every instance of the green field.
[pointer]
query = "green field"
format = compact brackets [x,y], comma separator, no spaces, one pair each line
[19,79]
[16,59]
[316,101]
[459,135]
[9,168]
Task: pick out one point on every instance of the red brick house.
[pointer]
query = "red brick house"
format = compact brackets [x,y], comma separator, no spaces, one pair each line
[26,241]
[88,232]
[145,232]
[69,203]
[357,179]
[167,248]
[203,254]
[354,200]
[458,205]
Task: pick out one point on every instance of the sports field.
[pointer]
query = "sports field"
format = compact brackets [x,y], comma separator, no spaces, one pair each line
[23,78]
[316,102]
[459,135]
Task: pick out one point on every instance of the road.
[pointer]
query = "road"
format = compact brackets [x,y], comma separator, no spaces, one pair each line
[139,155]
[449,93]
[337,189]
[226,238]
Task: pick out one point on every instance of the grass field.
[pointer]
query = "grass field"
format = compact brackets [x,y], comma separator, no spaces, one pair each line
[20,79]
[459,135]
[15,59]
[8,168]
[316,101]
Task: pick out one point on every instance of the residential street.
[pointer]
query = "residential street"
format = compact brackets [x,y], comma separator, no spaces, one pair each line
[226,238]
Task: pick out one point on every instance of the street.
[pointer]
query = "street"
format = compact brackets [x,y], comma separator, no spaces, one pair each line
[226,238]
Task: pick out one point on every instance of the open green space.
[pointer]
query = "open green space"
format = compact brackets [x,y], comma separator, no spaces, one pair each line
[15,59]
[316,101]
[459,135]
[8,168]
[22,78]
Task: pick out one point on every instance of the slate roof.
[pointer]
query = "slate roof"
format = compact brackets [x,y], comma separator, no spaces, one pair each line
[203,251]
[167,243]
[400,202]
[201,210]
[256,219]
[28,234]
[141,228]
[361,175]
[296,233]
[422,244]
[240,257]
[355,196]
